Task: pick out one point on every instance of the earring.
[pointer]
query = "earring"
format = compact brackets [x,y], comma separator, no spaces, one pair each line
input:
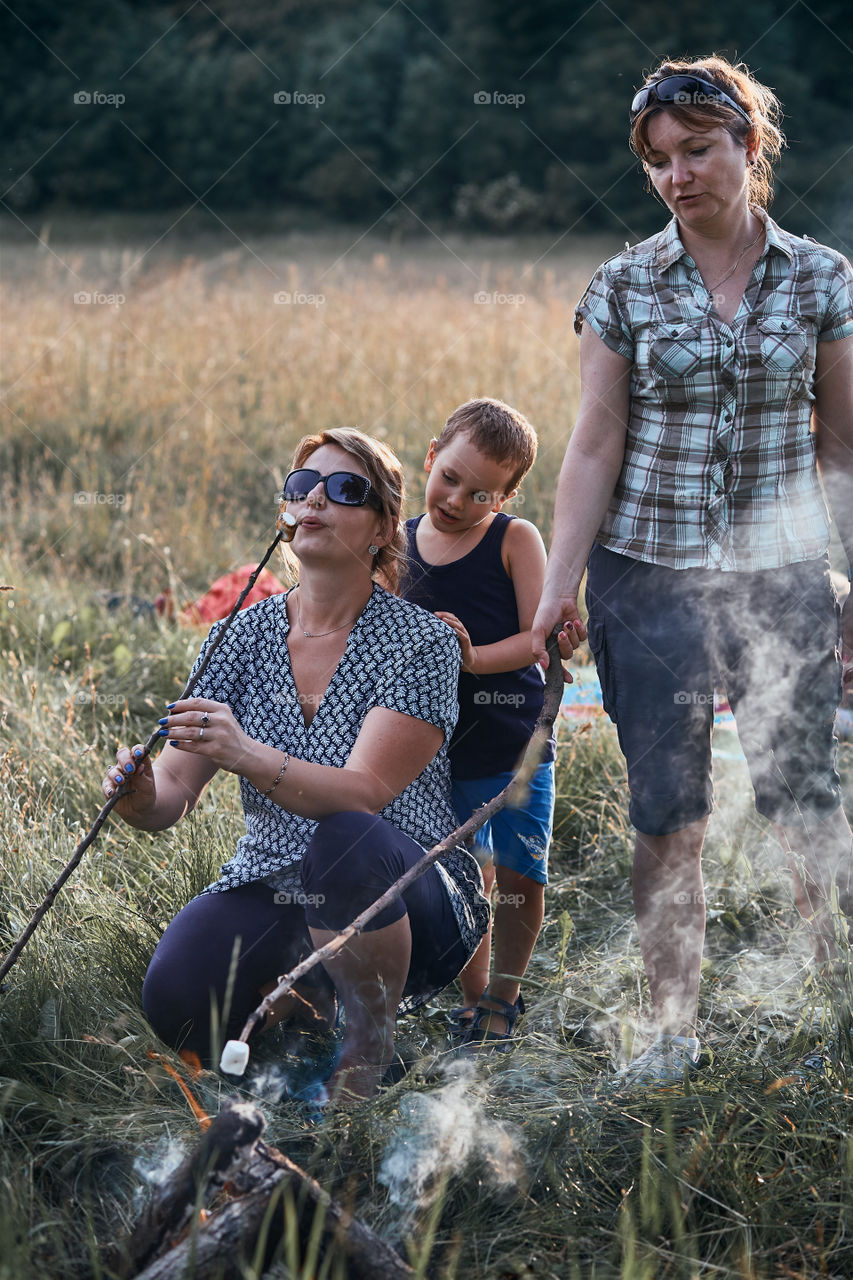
[373,549]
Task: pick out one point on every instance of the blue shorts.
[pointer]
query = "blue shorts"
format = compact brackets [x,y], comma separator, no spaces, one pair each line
[514,838]
[664,638]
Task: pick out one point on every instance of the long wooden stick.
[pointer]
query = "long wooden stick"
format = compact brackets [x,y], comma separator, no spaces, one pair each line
[511,793]
[92,834]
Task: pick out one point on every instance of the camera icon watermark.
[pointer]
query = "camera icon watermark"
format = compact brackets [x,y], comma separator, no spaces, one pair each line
[686,899]
[284,98]
[486,698]
[91,498]
[286,298]
[102,699]
[692,697]
[283,898]
[695,97]
[485,99]
[497,299]
[85,298]
[84,98]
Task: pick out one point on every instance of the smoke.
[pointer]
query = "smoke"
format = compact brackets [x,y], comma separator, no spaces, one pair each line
[440,1134]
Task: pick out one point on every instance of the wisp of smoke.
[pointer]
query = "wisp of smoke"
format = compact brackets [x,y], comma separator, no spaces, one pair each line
[440,1133]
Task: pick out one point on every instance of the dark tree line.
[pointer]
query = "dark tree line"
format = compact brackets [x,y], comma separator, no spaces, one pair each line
[488,114]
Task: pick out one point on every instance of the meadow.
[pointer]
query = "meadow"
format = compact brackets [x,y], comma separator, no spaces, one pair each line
[146,427]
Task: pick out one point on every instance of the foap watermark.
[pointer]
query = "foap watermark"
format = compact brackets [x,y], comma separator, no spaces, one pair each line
[91,498]
[286,98]
[94,98]
[685,899]
[283,898]
[692,697]
[509,899]
[485,698]
[484,98]
[85,298]
[295,298]
[102,699]
[497,299]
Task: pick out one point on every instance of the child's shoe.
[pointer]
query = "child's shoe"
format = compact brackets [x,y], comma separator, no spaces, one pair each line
[663,1063]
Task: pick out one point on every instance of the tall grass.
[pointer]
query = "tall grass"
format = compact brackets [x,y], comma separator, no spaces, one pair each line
[187,400]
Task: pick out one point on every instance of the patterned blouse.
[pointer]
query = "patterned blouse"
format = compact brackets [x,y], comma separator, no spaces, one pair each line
[719,468]
[397,656]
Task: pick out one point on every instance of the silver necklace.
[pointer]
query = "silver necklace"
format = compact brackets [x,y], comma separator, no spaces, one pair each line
[318,635]
[729,274]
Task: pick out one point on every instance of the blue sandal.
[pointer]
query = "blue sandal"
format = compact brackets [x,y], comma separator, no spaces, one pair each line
[478,1033]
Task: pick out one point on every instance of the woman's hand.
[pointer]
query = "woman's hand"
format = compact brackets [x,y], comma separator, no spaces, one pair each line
[134,771]
[847,650]
[469,653]
[202,727]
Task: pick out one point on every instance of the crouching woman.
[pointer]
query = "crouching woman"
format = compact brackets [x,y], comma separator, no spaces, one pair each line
[333,703]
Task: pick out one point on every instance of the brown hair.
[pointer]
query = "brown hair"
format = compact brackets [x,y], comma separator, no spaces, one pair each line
[497,430]
[760,104]
[386,478]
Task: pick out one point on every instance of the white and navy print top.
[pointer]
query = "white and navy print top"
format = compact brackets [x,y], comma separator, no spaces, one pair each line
[397,656]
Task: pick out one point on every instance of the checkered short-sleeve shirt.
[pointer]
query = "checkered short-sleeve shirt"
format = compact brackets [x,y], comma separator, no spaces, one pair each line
[397,656]
[720,468]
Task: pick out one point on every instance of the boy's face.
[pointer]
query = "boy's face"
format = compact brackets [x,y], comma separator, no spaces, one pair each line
[464,485]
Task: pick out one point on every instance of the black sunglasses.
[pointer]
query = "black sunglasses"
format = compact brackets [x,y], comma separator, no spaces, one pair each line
[684,91]
[343,487]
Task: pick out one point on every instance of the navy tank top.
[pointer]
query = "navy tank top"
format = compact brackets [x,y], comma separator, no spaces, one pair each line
[497,713]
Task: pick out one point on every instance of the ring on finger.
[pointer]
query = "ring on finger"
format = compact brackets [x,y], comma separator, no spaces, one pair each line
[200,734]
[205,719]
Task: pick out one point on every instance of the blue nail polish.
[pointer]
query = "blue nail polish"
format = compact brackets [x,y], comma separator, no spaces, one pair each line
[128,768]
[163,720]
[173,742]
[170,705]
[138,753]
[119,781]
[162,733]
[109,791]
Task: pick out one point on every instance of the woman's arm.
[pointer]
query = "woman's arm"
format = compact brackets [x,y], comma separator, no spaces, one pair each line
[588,477]
[159,792]
[390,751]
[833,420]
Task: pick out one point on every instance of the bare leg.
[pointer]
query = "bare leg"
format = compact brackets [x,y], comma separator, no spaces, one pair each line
[369,974]
[313,1006]
[474,978]
[669,903]
[519,911]
[826,849]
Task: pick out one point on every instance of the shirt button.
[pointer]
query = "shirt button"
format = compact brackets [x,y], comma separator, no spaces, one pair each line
[727,417]
[727,341]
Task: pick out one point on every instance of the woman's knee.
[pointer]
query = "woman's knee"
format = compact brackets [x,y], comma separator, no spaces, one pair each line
[350,860]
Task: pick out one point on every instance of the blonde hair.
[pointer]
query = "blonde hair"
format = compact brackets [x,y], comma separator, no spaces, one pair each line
[754,98]
[385,474]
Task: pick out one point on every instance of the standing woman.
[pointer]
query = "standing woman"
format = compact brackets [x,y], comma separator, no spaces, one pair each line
[717,393]
[333,704]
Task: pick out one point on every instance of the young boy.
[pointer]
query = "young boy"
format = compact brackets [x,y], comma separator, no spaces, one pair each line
[481,571]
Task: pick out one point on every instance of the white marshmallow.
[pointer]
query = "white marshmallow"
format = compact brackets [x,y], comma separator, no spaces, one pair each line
[235,1058]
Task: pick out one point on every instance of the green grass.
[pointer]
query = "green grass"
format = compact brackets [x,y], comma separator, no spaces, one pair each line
[529,1164]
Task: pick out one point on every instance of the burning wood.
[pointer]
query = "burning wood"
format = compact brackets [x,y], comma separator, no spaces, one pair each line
[175,1239]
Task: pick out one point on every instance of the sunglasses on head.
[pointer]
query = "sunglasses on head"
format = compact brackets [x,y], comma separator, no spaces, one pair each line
[343,487]
[683,91]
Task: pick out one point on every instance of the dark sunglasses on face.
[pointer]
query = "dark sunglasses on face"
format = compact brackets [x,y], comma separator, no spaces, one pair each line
[686,91]
[343,487]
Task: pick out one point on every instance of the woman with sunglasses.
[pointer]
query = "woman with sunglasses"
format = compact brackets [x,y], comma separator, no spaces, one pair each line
[717,393]
[333,704]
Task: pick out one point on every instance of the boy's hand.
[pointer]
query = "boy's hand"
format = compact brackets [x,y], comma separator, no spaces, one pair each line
[469,653]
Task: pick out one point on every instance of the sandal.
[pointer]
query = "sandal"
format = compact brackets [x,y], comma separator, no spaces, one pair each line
[479,1034]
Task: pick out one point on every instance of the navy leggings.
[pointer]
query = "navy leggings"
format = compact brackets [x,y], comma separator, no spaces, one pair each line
[350,860]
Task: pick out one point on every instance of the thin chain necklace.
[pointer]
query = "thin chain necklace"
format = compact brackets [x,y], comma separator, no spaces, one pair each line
[318,635]
[729,274]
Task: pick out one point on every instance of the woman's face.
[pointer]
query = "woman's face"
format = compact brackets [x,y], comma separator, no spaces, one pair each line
[702,177]
[329,532]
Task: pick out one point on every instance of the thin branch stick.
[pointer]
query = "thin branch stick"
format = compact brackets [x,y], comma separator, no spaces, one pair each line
[92,834]
[512,794]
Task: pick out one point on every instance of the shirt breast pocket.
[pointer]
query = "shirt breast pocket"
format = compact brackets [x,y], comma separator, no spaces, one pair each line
[782,343]
[675,351]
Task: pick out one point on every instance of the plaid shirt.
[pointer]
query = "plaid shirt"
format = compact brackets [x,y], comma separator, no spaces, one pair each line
[719,467]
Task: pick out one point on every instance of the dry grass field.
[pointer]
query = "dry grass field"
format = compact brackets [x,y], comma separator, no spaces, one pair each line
[145,432]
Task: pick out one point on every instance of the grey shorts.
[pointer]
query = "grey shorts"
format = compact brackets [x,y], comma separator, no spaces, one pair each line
[664,638]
